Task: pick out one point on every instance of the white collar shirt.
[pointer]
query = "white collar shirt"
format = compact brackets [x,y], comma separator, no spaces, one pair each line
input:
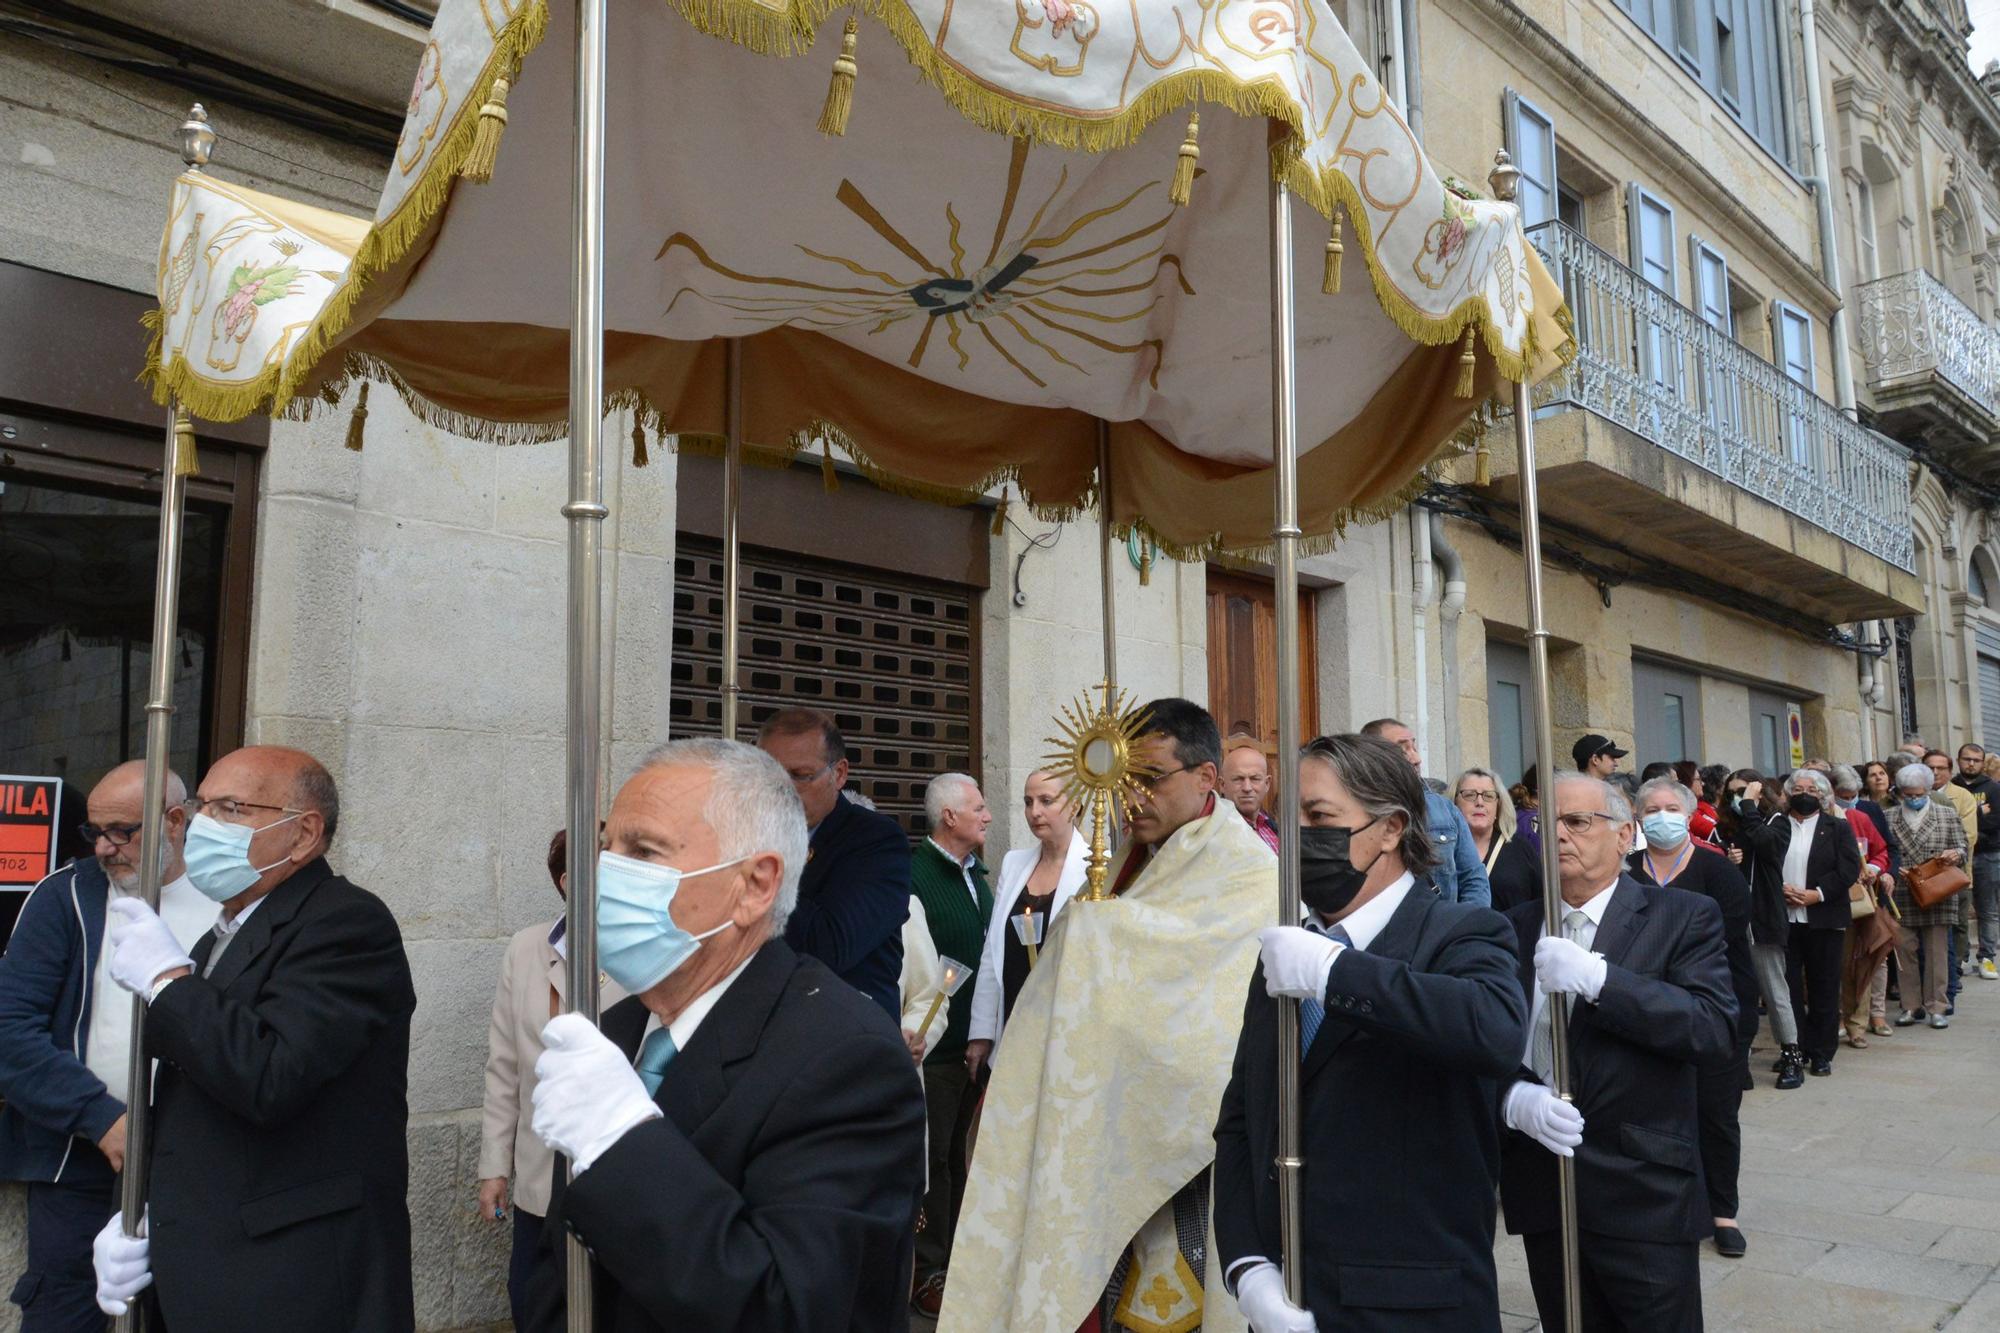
[964,865]
[682,1029]
[1365,922]
[1796,856]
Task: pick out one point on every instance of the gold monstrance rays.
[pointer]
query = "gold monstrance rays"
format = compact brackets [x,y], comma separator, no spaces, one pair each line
[1096,762]
[1029,301]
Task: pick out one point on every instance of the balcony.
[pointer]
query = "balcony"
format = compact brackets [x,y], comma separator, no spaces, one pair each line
[1669,439]
[1933,367]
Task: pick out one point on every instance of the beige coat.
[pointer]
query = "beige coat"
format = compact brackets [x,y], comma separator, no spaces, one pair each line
[531,990]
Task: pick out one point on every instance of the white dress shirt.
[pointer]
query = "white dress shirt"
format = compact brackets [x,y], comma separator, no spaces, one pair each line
[1586,936]
[964,864]
[682,1028]
[1795,860]
[1365,922]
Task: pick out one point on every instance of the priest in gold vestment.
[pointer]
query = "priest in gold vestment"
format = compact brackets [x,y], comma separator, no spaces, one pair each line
[1087,1206]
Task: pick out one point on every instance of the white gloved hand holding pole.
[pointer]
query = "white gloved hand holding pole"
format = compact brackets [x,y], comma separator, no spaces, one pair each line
[124,1265]
[1534,1110]
[142,947]
[1564,967]
[1296,961]
[587,1096]
[1260,1295]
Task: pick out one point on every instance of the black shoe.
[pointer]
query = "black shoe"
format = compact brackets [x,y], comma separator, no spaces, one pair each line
[1791,1076]
[1729,1242]
[1951,1009]
[1748,1081]
[1787,1054]
[1822,1068]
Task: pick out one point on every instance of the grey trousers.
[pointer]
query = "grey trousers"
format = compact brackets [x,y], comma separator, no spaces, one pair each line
[1770,963]
[1986,900]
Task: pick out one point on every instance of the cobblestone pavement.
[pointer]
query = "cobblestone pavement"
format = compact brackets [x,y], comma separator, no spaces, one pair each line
[1871,1199]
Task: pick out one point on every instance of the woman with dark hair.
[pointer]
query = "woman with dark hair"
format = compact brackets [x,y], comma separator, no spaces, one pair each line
[1742,808]
[1526,795]
[1878,783]
[1691,775]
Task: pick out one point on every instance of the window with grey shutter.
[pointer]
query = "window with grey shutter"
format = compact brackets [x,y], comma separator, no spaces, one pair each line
[1531,138]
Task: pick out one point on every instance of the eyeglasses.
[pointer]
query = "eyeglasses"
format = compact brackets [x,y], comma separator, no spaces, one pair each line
[1578,821]
[115,834]
[1480,797]
[1168,772]
[229,807]
[807,779]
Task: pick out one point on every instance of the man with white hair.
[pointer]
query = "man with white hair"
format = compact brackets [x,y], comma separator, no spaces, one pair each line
[949,880]
[746,1131]
[1643,975]
[1811,851]
[65,1042]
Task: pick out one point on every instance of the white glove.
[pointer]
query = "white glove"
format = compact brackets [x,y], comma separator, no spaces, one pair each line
[1533,1110]
[587,1096]
[1297,961]
[1564,966]
[1260,1295]
[141,946]
[123,1263]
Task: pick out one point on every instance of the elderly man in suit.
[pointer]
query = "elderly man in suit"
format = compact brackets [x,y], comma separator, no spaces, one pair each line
[746,1133]
[279,1165]
[1411,1016]
[1642,974]
[1808,852]
[854,887]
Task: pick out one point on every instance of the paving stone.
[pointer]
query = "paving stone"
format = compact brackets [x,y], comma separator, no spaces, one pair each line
[1968,1245]
[1758,1302]
[1904,1274]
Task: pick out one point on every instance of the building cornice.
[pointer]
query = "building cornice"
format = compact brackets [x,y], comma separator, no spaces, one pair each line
[1800,273]
[1938,70]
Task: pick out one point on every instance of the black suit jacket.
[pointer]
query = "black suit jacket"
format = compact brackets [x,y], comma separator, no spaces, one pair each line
[279,1166]
[1715,877]
[780,1190]
[854,896]
[1402,1149]
[1665,1009]
[1832,864]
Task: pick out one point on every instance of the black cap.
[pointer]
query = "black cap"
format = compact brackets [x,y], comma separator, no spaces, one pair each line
[1593,745]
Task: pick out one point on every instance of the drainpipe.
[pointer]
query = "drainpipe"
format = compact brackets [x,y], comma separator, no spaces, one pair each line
[1822,187]
[1420,597]
[1450,605]
[1412,67]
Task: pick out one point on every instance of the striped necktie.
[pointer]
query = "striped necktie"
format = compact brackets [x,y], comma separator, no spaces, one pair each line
[655,1053]
[1312,1012]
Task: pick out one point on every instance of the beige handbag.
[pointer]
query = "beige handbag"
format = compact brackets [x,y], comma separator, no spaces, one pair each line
[1860,901]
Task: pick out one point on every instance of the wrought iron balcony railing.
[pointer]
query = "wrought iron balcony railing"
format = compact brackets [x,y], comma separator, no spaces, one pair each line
[1648,363]
[1911,325]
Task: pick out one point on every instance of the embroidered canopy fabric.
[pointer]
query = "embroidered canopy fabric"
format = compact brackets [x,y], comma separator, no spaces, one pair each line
[956,291]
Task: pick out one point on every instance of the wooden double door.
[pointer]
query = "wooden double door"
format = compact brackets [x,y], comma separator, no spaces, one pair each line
[1243,658]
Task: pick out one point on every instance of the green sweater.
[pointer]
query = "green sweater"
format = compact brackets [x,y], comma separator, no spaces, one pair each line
[958,928]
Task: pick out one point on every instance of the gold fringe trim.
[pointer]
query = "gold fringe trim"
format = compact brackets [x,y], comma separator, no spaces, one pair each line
[1182,188]
[478,166]
[187,462]
[359,421]
[840,89]
[1330,281]
[639,456]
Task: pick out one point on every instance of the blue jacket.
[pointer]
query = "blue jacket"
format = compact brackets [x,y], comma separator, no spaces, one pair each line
[56,1108]
[1459,875]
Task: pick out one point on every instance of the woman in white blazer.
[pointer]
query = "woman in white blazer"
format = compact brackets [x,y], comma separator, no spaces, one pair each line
[1043,877]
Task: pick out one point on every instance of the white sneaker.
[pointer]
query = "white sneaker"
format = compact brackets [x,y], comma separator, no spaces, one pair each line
[1989,969]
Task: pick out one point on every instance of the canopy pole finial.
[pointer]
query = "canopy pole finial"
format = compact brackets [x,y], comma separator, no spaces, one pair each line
[197,138]
[1505,178]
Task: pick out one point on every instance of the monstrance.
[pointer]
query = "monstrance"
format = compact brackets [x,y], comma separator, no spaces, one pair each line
[1096,761]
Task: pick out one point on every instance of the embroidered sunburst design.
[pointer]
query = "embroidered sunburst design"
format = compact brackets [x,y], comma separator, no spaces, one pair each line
[1030,301]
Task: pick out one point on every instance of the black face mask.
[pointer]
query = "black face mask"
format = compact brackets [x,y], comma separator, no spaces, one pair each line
[1802,804]
[1328,877]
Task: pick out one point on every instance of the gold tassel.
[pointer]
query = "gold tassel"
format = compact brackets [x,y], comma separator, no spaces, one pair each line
[186,464]
[840,91]
[1146,565]
[1330,284]
[1182,188]
[828,478]
[357,422]
[1000,515]
[478,167]
[1482,465]
[1468,362]
[639,455]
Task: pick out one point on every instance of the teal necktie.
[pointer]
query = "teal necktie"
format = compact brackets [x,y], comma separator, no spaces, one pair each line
[1312,1012]
[655,1053]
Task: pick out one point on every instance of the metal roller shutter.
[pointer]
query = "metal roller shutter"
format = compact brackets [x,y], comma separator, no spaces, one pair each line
[890,656]
[1989,686]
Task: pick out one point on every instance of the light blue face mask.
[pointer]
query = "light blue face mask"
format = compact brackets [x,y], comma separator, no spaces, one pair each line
[218,856]
[1916,802]
[638,942]
[1665,828]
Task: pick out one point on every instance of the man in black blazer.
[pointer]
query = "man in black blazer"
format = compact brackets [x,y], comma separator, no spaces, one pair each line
[1808,855]
[279,1163]
[854,891]
[747,1133]
[1414,1014]
[1645,978]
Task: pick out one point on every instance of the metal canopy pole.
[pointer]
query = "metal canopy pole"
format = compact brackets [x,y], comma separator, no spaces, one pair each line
[1285,544]
[1503,180]
[197,141]
[585,514]
[732,563]
[1104,553]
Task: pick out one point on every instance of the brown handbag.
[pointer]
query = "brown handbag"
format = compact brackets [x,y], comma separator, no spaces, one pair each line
[1935,880]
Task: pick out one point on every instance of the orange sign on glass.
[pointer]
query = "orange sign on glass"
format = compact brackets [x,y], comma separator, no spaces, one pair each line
[30,809]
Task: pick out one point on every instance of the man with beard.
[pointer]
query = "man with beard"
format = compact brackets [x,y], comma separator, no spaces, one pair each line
[1412,1013]
[65,1043]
